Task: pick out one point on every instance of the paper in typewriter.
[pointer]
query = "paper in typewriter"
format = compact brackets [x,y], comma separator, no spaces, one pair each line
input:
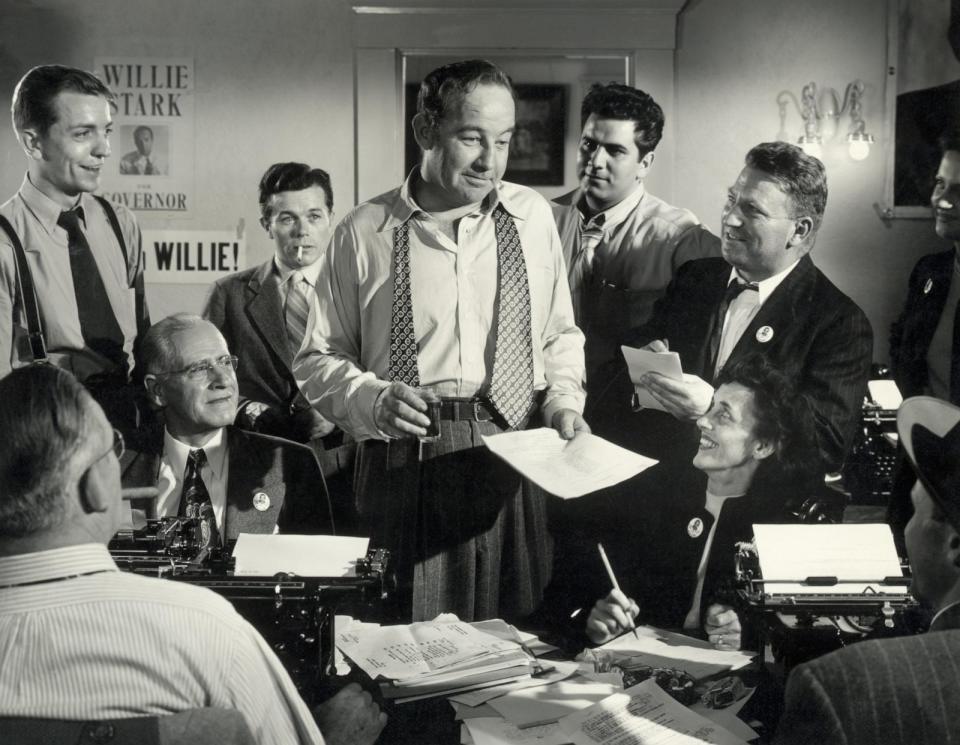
[304,555]
[863,552]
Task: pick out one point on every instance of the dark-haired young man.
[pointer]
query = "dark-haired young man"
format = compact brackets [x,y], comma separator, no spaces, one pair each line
[262,311]
[622,245]
[83,253]
[453,280]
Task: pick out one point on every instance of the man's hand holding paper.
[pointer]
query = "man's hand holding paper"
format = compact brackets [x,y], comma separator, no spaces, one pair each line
[687,398]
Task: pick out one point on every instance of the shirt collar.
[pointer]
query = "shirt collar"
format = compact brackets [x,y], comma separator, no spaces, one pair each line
[310,273]
[405,206]
[612,216]
[43,207]
[765,287]
[176,453]
[55,563]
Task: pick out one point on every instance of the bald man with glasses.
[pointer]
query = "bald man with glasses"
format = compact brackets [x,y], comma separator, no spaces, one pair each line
[234,481]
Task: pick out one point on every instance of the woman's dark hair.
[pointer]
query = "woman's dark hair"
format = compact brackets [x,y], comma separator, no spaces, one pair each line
[785,418]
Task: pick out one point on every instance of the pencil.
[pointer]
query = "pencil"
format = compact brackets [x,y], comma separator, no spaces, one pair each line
[616,585]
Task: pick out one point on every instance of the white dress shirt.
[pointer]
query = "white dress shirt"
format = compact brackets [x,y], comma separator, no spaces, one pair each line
[344,362]
[743,308]
[214,474]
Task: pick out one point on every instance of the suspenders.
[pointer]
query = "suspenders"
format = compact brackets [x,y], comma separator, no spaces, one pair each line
[28,294]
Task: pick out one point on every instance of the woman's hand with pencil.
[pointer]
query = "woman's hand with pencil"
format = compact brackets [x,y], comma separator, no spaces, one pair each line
[610,617]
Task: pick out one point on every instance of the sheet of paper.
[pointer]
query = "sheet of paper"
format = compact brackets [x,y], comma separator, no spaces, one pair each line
[886,394]
[409,652]
[643,714]
[640,361]
[540,705]
[566,468]
[727,717]
[659,648]
[306,555]
[561,670]
[495,731]
[862,551]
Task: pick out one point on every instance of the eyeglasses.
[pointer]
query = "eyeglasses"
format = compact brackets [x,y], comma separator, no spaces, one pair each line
[203,370]
[118,447]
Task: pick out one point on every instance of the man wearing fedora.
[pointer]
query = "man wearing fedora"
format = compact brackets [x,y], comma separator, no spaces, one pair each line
[904,690]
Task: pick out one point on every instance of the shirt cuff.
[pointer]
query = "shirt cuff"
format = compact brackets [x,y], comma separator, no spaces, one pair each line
[362,404]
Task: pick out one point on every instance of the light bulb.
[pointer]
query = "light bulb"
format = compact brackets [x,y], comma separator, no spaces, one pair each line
[859,149]
[812,148]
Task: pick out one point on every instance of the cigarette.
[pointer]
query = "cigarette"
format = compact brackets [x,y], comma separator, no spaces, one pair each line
[299,254]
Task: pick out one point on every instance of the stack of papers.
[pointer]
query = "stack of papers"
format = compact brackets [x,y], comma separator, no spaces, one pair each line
[433,658]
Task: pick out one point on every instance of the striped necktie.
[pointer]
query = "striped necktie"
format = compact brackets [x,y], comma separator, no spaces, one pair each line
[297,310]
[582,269]
[195,499]
[511,385]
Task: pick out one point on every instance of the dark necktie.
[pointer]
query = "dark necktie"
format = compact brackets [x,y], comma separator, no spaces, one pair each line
[511,384]
[195,499]
[98,324]
[148,168]
[955,359]
[716,329]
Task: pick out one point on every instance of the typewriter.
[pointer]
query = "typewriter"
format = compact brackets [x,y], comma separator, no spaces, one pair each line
[294,614]
[820,613]
[869,469]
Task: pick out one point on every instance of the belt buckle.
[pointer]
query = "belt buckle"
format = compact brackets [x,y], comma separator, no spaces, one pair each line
[477,411]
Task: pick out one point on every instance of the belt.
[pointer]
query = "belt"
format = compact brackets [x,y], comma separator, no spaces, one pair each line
[465,410]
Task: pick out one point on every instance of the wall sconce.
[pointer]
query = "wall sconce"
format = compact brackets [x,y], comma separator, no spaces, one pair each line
[821,116]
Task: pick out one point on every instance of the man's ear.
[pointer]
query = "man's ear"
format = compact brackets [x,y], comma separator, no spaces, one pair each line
[802,230]
[423,132]
[93,488]
[31,142]
[154,387]
[645,162]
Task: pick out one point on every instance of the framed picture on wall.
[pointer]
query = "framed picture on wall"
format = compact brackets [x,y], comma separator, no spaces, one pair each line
[536,148]
[924,49]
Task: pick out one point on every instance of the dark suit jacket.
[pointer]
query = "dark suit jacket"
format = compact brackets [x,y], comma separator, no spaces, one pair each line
[891,691]
[912,332]
[247,309]
[821,340]
[288,473]
[642,524]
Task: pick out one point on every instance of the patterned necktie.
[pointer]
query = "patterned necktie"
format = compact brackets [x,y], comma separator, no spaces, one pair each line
[297,310]
[98,324]
[583,270]
[511,384]
[195,499]
[733,291]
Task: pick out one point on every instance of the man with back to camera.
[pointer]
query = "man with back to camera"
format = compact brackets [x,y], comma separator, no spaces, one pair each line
[454,280]
[925,339]
[238,481]
[143,161]
[766,296]
[83,253]
[903,690]
[80,640]
[622,244]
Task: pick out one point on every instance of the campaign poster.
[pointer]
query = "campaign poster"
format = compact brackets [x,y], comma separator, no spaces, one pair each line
[192,256]
[152,166]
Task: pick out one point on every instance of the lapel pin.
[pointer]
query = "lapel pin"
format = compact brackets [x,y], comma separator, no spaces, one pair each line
[261,501]
[695,527]
[927,286]
[764,334]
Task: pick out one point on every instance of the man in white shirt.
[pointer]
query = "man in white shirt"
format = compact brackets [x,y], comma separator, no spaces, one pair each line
[201,464]
[455,280]
[143,161]
[621,243]
[80,640]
